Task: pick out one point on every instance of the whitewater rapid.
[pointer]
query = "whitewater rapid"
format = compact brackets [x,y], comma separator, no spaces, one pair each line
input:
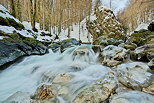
[33,71]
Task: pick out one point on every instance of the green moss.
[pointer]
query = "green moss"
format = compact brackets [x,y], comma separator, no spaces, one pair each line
[142,37]
[10,22]
[4,21]
[30,41]
[15,24]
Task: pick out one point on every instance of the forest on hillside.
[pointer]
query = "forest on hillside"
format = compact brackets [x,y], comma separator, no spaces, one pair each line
[60,13]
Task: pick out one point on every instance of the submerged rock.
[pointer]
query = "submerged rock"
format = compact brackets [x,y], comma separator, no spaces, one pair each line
[98,91]
[132,97]
[84,54]
[113,55]
[62,79]
[134,75]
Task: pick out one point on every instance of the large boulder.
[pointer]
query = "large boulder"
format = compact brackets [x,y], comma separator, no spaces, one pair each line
[142,37]
[99,91]
[104,23]
[132,97]
[134,75]
[113,55]
[9,52]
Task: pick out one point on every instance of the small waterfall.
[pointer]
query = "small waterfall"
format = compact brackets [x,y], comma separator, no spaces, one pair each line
[80,62]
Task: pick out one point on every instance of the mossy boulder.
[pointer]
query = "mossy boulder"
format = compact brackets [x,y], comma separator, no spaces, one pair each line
[110,41]
[15,46]
[103,41]
[105,24]
[4,21]
[129,45]
[11,22]
[15,24]
[142,37]
[54,47]
[68,43]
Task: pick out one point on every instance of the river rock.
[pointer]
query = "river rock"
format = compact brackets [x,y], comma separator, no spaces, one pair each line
[9,52]
[145,53]
[85,54]
[142,37]
[98,91]
[149,89]
[54,47]
[14,47]
[134,75]
[113,55]
[68,43]
[132,97]
[45,92]
[128,45]
[110,41]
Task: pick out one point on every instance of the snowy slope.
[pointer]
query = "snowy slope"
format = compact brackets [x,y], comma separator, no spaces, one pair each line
[84,35]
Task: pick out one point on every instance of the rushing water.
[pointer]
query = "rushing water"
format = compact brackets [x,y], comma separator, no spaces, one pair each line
[27,75]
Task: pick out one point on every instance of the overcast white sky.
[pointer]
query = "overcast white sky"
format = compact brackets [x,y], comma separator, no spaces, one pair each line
[117,5]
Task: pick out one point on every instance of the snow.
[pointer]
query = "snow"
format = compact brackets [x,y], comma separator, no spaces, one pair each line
[28,26]
[44,38]
[85,36]
[11,29]
[6,14]
[7,29]
[1,37]
[3,8]
[142,26]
